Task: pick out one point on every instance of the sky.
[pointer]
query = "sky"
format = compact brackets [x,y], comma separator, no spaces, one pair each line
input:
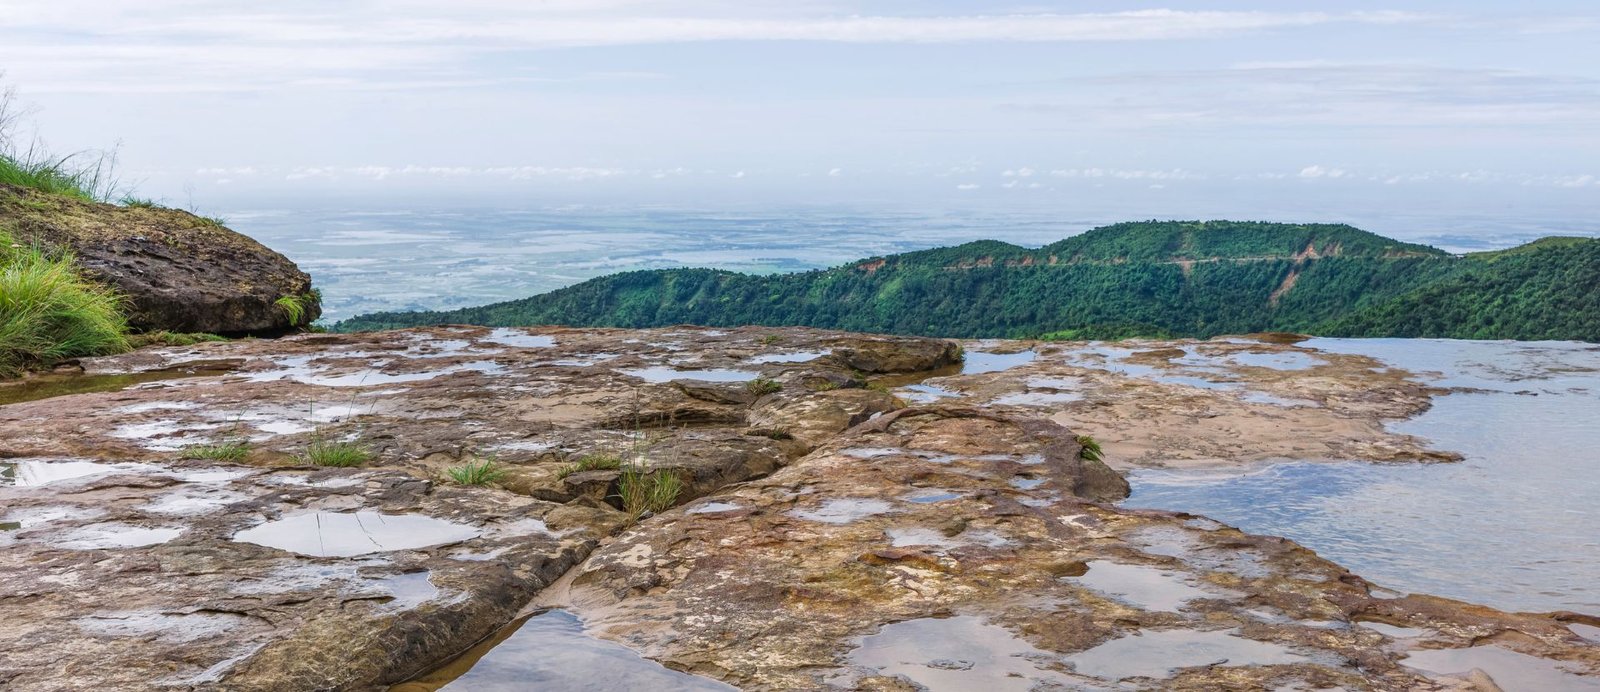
[1245,109]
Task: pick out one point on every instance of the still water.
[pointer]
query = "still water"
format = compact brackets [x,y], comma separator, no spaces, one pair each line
[1516,525]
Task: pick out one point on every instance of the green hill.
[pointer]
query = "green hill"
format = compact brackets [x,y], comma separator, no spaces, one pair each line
[1147,278]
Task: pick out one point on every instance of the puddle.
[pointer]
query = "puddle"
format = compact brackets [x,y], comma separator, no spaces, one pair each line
[1275,400]
[959,653]
[924,393]
[50,386]
[931,496]
[1510,670]
[1287,360]
[798,357]
[842,510]
[345,534]
[1037,399]
[979,362]
[1149,588]
[666,374]
[1589,632]
[872,452]
[551,651]
[115,535]
[1518,514]
[1022,483]
[298,369]
[407,591]
[1159,654]
[901,538]
[518,338]
[164,435]
[191,500]
[27,473]
[713,508]
[1395,631]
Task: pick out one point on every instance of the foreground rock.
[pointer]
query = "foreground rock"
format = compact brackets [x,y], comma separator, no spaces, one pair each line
[127,566]
[956,549]
[180,272]
[824,535]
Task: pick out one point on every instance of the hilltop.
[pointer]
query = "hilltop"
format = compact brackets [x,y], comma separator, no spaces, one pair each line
[1151,278]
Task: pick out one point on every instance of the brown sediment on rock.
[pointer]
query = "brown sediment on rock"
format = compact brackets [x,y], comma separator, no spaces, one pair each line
[812,514]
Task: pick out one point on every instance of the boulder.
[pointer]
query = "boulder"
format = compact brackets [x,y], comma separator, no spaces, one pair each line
[180,272]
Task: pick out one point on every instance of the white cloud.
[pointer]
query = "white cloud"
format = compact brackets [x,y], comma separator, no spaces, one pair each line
[835,172]
[1318,171]
[968,186]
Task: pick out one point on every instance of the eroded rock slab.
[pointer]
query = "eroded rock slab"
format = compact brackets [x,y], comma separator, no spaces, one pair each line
[962,549]
[1192,403]
[127,566]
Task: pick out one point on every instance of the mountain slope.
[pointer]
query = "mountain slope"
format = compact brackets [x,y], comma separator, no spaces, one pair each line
[1145,278]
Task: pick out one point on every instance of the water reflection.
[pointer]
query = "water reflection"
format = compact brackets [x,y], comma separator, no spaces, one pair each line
[1514,526]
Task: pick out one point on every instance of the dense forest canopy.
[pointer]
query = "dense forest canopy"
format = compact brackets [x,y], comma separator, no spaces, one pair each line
[1134,279]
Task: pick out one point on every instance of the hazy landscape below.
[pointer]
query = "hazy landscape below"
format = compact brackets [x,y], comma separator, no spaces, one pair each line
[370,260]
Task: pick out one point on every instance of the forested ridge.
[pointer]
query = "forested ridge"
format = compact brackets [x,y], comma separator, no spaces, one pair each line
[1133,279]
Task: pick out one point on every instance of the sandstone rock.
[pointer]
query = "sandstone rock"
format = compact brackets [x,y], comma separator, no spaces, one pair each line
[178,271]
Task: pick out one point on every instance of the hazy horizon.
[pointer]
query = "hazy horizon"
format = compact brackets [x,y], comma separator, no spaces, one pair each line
[1172,110]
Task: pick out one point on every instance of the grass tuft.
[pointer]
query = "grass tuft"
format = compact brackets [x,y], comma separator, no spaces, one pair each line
[762,386]
[50,312]
[339,453]
[642,491]
[235,450]
[139,203]
[1091,449]
[590,462]
[481,472]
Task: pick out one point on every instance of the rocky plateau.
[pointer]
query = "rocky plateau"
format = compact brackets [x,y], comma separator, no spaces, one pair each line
[856,512]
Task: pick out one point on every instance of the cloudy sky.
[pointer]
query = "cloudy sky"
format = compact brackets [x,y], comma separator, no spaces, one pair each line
[1242,104]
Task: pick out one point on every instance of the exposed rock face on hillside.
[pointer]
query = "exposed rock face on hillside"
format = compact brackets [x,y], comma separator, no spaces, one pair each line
[180,272]
[828,534]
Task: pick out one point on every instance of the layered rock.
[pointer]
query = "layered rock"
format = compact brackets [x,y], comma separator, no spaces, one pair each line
[826,534]
[179,272]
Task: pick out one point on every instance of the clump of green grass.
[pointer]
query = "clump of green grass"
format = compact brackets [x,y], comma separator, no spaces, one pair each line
[642,491]
[771,339]
[480,472]
[139,202]
[762,386]
[590,462]
[88,176]
[50,312]
[824,386]
[1091,449]
[295,307]
[232,450]
[340,453]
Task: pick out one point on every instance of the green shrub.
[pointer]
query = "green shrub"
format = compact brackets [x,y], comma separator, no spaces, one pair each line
[1091,449]
[481,472]
[235,450]
[337,453]
[50,312]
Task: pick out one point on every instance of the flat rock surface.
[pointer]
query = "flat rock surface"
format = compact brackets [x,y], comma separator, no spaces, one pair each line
[855,512]
[945,547]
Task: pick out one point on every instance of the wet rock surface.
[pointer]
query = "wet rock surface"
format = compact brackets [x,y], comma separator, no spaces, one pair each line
[826,534]
[831,574]
[169,263]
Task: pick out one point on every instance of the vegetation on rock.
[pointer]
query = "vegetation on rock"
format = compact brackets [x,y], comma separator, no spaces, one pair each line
[477,472]
[340,453]
[50,312]
[232,450]
[1155,279]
